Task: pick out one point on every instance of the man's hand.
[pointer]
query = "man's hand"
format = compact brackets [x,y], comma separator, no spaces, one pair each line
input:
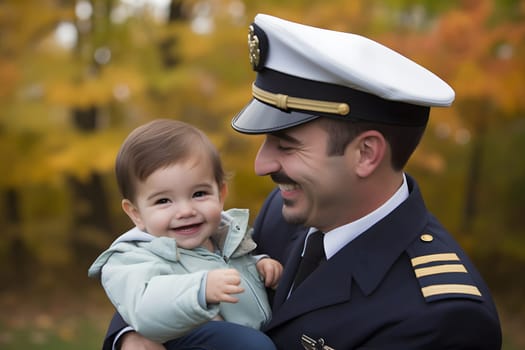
[135,341]
[221,284]
[271,270]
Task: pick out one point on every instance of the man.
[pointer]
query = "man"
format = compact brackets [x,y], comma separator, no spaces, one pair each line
[342,114]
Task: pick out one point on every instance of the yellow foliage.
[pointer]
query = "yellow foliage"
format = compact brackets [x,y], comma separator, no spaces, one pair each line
[95,91]
[471,81]
[430,161]
[9,76]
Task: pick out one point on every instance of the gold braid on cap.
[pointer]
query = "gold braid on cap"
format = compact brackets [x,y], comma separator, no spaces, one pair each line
[284,102]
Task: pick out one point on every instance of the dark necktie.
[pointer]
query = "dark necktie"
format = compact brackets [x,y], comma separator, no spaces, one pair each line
[313,256]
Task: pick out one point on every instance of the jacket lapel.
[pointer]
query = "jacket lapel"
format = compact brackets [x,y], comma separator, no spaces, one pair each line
[327,285]
[290,269]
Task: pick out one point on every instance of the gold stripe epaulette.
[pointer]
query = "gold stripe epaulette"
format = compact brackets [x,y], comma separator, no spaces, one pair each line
[443,275]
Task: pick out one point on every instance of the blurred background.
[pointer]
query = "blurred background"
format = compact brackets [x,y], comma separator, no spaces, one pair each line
[77,76]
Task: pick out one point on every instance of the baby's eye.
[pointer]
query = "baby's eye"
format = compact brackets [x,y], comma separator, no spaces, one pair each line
[199,194]
[162,201]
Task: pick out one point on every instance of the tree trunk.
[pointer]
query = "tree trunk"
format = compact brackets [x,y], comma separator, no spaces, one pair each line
[478,112]
[168,45]
[472,184]
[20,260]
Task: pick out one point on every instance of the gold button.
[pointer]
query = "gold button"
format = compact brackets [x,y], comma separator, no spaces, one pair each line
[426,237]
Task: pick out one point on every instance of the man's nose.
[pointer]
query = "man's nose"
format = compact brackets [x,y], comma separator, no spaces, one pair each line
[266,161]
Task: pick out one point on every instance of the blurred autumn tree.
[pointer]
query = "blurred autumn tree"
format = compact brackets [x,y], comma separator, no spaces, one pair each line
[478,46]
[77,76]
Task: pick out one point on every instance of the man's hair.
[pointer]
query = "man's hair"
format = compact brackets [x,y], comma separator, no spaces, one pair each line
[159,144]
[403,140]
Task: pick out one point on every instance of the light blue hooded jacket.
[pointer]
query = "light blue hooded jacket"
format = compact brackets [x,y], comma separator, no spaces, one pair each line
[155,285]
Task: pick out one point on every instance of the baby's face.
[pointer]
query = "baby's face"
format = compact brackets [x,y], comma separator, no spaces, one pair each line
[182,201]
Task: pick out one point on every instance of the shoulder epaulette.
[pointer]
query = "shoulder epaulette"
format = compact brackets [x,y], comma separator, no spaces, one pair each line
[440,271]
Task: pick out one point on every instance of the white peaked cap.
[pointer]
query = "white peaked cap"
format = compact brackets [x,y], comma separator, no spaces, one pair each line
[304,72]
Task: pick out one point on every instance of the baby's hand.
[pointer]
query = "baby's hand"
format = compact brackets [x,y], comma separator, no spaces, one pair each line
[271,270]
[221,284]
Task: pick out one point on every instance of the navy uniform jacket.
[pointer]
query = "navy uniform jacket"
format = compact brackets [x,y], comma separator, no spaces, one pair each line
[403,284]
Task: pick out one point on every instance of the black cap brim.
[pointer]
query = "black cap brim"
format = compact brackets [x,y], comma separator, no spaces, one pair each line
[260,118]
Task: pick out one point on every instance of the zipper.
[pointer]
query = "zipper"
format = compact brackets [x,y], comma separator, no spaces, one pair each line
[259,304]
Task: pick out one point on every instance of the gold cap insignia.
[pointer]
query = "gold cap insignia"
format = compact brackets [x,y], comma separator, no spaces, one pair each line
[257,46]
[253,46]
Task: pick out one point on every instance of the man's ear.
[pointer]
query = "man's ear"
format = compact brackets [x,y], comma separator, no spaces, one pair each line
[133,213]
[372,149]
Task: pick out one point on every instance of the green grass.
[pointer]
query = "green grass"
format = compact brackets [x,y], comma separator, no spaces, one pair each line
[79,321]
[84,336]
[62,319]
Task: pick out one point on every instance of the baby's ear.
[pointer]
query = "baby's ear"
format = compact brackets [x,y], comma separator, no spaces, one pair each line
[132,211]
[223,191]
